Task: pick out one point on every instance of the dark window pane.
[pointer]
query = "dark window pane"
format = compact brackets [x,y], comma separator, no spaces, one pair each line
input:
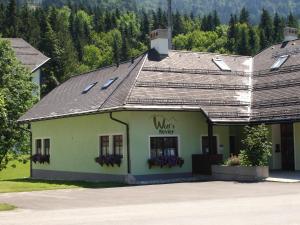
[104,145]
[205,147]
[38,146]
[163,146]
[118,144]
[47,146]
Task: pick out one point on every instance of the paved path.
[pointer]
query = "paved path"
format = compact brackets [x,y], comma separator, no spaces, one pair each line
[185,204]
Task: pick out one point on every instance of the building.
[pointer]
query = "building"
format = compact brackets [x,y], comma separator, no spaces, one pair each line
[167,114]
[30,58]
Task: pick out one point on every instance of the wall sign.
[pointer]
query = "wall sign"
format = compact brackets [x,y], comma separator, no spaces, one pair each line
[164,125]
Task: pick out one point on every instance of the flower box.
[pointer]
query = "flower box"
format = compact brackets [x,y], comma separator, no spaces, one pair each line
[240,173]
[165,161]
[39,158]
[109,160]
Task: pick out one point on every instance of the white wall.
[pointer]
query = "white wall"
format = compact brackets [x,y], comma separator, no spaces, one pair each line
[276,139]
[36,78]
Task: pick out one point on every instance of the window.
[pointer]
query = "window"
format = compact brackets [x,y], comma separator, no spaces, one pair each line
[38,146]
[205,147]
[118,144]
[163,146]
[46,146]
[89,87]
[221,64]
[108,83]
[232,144]
[104,145]
[280,61]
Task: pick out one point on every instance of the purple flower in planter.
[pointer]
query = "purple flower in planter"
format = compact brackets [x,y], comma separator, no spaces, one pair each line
[162,161]
[109,160]
[39,158]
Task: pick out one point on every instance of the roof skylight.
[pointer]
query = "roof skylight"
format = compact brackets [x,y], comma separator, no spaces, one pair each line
[108,83]
[221,64]
[279,62]
[89,87]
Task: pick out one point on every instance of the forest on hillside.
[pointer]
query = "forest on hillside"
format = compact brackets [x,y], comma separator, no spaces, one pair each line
[197,7]
[79,37]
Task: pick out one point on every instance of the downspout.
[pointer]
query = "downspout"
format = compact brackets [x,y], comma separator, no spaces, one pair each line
[127,139]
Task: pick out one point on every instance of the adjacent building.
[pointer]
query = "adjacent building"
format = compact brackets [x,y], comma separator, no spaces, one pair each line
[167,114]
[30,58]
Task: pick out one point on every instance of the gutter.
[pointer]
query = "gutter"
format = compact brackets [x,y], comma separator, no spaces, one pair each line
[127,140]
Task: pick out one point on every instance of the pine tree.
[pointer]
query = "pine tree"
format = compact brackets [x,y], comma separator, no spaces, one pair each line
[11,20]
[216,20]
[243,46]
[50,47]
[204,23]
[116,51]
[145,28]
[264,43]
[266,27]
[232,34]
[178,27]
[29,26]
[244,16]
[278,28]
[124,48]
[292,21]
[2,17]
[253,41]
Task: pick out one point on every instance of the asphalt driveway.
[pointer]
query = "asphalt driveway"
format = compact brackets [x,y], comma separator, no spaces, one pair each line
[184,204]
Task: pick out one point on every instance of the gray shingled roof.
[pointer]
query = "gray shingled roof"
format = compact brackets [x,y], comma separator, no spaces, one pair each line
[26,54]
[186,81]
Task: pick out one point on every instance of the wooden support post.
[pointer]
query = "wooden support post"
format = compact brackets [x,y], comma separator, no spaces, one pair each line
[210,138]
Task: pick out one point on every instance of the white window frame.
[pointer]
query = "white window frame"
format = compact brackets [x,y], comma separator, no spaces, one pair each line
[279,62]
[165,135]
[111,144]
[42,145]
[218,142]
[221,64]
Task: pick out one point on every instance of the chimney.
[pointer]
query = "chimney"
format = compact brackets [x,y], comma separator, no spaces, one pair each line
[170,25]
[290,34]
[160,41]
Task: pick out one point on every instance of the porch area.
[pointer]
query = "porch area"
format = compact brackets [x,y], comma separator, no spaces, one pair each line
[284,176]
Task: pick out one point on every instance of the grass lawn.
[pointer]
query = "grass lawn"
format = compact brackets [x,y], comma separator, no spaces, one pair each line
[21,171]
[6,207]
[16,180]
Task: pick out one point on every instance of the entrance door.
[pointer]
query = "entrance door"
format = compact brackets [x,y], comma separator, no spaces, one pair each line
[287,147]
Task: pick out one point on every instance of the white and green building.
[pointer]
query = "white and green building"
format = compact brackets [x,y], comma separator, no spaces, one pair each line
[167,114]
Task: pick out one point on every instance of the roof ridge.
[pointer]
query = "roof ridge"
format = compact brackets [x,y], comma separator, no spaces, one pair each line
[122,81]
[135,81]
[212,53]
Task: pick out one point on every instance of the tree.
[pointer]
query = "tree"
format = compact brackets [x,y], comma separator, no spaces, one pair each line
[278,28]
[178,27]
[253,41]
[292,21]
[244,16]
[216,20]
[243,46]
[29,26]
[116,51]
[124,48]
[12,20]
[16,98]
[49,46]
[145,28]
[266,27]
[257,146]
[232,33]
